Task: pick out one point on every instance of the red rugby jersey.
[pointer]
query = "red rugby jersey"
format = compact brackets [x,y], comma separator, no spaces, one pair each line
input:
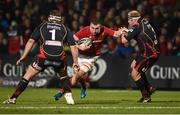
[95,49]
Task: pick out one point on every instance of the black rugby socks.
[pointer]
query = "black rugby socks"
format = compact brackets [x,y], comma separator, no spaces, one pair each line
[20,88]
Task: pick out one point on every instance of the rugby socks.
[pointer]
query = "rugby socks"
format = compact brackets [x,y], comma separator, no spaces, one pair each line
[142,86]
[20,88]
[83,81]
[66,87]
[61,90]
[143,75]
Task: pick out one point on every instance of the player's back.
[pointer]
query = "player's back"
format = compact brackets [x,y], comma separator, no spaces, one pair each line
[148,35]
[52,38]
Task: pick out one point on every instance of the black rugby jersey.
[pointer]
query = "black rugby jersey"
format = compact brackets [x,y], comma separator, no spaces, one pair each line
[145,36]
[52,37]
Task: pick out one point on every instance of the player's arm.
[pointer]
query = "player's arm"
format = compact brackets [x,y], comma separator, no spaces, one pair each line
[34,37]
[27,49]
[124,39]
[82,47]
[74,49]
[111,32]
[74,52]
[117,33]
[128,34]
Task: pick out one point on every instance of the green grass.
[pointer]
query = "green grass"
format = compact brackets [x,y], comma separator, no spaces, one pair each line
[98,101]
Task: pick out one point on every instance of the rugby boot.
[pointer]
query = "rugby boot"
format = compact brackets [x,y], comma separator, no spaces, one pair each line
[83,93]
[10,101]
[69,98]
[58,95]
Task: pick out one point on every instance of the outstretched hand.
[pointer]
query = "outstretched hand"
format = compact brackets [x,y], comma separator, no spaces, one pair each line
[76,67]
[123,30]
[19,61]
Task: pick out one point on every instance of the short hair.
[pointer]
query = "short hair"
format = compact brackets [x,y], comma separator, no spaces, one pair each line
[54,15]
[134,14]
[96,21]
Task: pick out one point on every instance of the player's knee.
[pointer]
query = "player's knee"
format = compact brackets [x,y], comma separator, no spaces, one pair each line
[62,74]
[30,73]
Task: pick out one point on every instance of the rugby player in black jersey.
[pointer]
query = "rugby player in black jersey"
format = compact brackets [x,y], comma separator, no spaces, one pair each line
[141,30]
[52,35]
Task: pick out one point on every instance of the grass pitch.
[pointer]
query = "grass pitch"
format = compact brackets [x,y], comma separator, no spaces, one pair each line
[97,101]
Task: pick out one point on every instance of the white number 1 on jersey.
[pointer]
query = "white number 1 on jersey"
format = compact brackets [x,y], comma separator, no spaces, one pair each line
[53,34]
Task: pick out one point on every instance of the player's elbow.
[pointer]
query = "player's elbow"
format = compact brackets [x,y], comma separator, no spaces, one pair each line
[31,41]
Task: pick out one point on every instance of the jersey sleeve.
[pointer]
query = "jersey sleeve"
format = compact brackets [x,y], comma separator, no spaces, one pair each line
[133,32]
[70,40]
[36,33]
[108,31]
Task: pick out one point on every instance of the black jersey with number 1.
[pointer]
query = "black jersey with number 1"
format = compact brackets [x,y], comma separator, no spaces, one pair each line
[52,37]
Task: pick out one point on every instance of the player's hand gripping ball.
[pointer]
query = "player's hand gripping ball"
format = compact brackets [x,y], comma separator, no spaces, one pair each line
[85,42]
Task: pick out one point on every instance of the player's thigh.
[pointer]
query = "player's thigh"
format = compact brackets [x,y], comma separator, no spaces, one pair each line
[36,66]
[152,61]
[30,73]
[141,64]
[135,75]
[86,63]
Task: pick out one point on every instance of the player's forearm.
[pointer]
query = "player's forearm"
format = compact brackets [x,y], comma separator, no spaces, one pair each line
[74,52]
[28,48]
[123,39]
[120,31]
[117,34]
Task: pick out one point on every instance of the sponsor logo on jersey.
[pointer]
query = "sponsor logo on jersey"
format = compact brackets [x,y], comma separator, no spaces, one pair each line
[53,43]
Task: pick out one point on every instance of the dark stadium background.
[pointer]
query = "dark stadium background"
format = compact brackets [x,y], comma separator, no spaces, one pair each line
[18,18]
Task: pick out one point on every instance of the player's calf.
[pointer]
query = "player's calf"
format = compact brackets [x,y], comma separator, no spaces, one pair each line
[152,90]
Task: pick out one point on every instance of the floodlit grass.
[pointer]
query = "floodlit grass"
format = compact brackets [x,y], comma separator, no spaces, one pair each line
[98,101]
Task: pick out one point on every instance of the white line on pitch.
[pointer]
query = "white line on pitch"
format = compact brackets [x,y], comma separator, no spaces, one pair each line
[83,107]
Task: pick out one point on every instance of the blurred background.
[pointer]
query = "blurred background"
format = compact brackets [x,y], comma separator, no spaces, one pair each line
[18,18]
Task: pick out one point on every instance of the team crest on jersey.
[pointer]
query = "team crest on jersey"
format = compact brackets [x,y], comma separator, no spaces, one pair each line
[144,69]
[131,30]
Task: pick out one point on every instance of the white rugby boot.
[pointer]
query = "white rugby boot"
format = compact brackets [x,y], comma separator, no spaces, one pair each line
[10,101]
[69,98]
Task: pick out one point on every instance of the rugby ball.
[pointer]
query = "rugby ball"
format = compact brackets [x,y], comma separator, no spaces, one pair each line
[85,41]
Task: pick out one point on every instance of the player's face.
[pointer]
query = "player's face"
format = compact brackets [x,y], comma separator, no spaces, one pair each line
[132,22]
[95,29]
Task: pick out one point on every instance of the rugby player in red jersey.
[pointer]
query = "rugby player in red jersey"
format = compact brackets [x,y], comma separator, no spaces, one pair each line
[89,54]
[52,35]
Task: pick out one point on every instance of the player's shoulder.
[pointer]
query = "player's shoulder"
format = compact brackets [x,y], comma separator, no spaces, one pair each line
[86,28]
[83,31]
[43,23]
